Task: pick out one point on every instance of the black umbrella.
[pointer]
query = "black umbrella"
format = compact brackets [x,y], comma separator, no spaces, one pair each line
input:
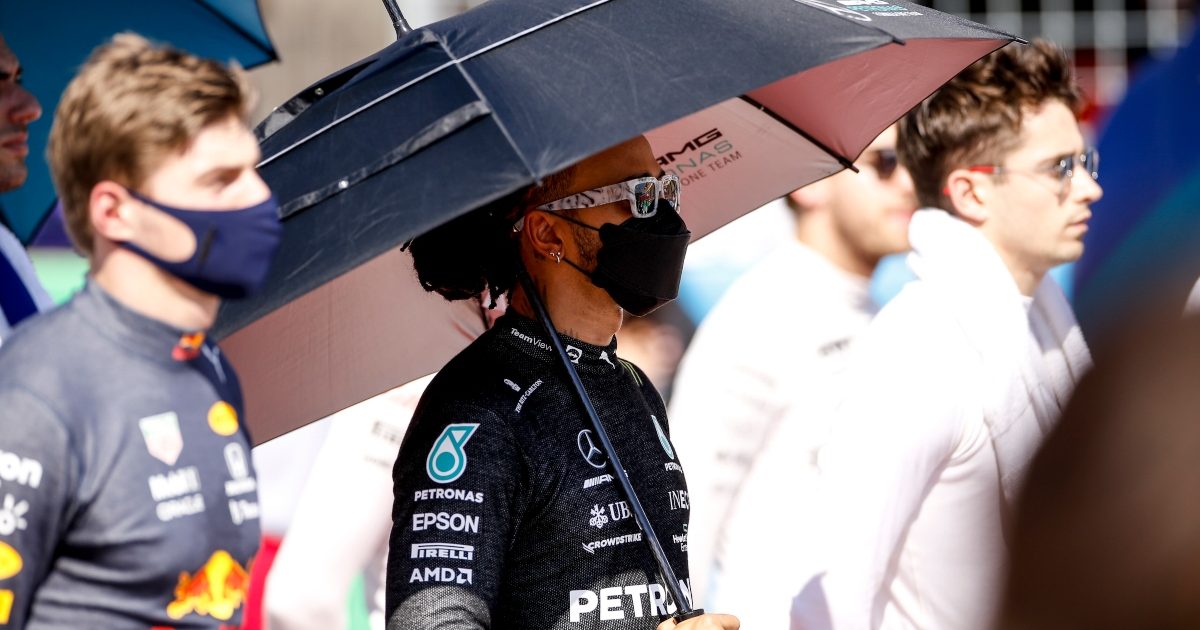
[745,101]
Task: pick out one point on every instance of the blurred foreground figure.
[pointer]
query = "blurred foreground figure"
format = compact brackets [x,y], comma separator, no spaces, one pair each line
[129,498]
[772,346]
[1107,531]
[21,295]
[959,378]
[341,525]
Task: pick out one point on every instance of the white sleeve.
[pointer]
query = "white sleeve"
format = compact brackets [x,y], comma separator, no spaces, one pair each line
[11,248]
[343,518]
[889,442]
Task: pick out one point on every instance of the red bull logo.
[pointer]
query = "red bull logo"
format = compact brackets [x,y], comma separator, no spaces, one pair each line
[188,347]
[217,590]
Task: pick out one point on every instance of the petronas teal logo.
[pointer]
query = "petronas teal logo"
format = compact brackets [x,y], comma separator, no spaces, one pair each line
[447,461]
[662,438]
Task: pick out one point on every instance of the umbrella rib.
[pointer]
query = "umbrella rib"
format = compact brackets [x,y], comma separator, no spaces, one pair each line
[379,99]
[268,48]
[845,162]
[499,123]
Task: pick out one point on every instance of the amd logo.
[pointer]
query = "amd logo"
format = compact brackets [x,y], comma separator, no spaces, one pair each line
[708,137]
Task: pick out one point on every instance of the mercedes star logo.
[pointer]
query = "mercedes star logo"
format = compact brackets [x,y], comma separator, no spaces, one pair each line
[591,453]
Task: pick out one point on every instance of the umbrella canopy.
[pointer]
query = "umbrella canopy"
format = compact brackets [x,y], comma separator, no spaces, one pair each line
[52,38]
[745,101]
[1144,237]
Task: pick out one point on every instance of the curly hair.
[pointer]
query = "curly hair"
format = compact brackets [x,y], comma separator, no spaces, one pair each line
[478,251]
[976,117]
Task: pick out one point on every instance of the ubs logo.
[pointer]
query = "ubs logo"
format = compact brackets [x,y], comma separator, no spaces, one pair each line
[590,451]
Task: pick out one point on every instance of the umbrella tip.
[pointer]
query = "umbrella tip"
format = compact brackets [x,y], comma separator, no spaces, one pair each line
[398,21]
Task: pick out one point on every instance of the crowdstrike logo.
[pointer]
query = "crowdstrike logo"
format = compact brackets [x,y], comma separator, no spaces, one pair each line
[591,547]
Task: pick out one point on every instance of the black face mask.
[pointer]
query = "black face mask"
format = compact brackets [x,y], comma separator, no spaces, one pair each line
[640,261]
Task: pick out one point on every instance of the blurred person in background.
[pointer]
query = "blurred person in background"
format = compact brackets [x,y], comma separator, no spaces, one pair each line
[21,295]
[774,341]
[340,528]
[958,379]
[129,499]
[1107,531]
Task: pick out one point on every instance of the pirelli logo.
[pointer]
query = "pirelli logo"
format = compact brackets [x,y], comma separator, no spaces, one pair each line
[443,550]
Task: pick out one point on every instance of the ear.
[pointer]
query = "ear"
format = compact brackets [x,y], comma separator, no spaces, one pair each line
[969,193]
[542,236]
[108,210]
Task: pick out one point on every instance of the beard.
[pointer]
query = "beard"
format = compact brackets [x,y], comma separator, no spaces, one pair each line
[589,246]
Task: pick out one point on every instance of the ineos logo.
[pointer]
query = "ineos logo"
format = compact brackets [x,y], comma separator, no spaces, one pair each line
[591,453]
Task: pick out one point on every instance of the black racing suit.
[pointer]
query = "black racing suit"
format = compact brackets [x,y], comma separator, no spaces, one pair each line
[506,512]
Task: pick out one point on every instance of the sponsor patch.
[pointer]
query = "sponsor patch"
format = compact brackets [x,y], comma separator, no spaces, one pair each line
[6,604]
[679,499]
[453,494]
[445,521]
[24,471]
[591,547]
[525,396]
[177,493]
[10,561]
[12,515]
[617,511]
[681,539]
[662,439]
[223,419]
[595,481]
[239,468]
[629,602]
[574,353]
[164,442]
[672,466]
[216,590]
[441,574]
[447,460]
[590,450]
[443,550]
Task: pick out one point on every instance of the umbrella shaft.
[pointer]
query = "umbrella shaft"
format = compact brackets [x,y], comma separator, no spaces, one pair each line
[635,506]
[398,21]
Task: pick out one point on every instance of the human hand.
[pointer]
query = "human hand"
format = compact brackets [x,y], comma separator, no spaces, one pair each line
[710,621]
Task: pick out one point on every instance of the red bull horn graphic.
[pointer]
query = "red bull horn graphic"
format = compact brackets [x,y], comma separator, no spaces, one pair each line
[217,590]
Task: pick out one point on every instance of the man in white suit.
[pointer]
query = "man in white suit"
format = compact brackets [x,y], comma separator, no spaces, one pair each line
[958,379]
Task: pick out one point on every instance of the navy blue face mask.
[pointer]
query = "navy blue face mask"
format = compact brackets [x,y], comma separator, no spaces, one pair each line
[234,248]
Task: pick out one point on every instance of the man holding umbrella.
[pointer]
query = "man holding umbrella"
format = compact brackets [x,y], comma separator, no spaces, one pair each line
[507,513]
[127,496]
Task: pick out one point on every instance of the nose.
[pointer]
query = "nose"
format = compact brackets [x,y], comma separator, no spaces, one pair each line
[1087,190]
[25,108]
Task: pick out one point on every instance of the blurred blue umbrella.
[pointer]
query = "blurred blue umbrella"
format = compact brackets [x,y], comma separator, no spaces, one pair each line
[1143,243]
[52,38]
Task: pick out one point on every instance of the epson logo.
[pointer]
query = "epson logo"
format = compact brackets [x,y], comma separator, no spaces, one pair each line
[449,551]
[445,521]
[707,137]
[441,574]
